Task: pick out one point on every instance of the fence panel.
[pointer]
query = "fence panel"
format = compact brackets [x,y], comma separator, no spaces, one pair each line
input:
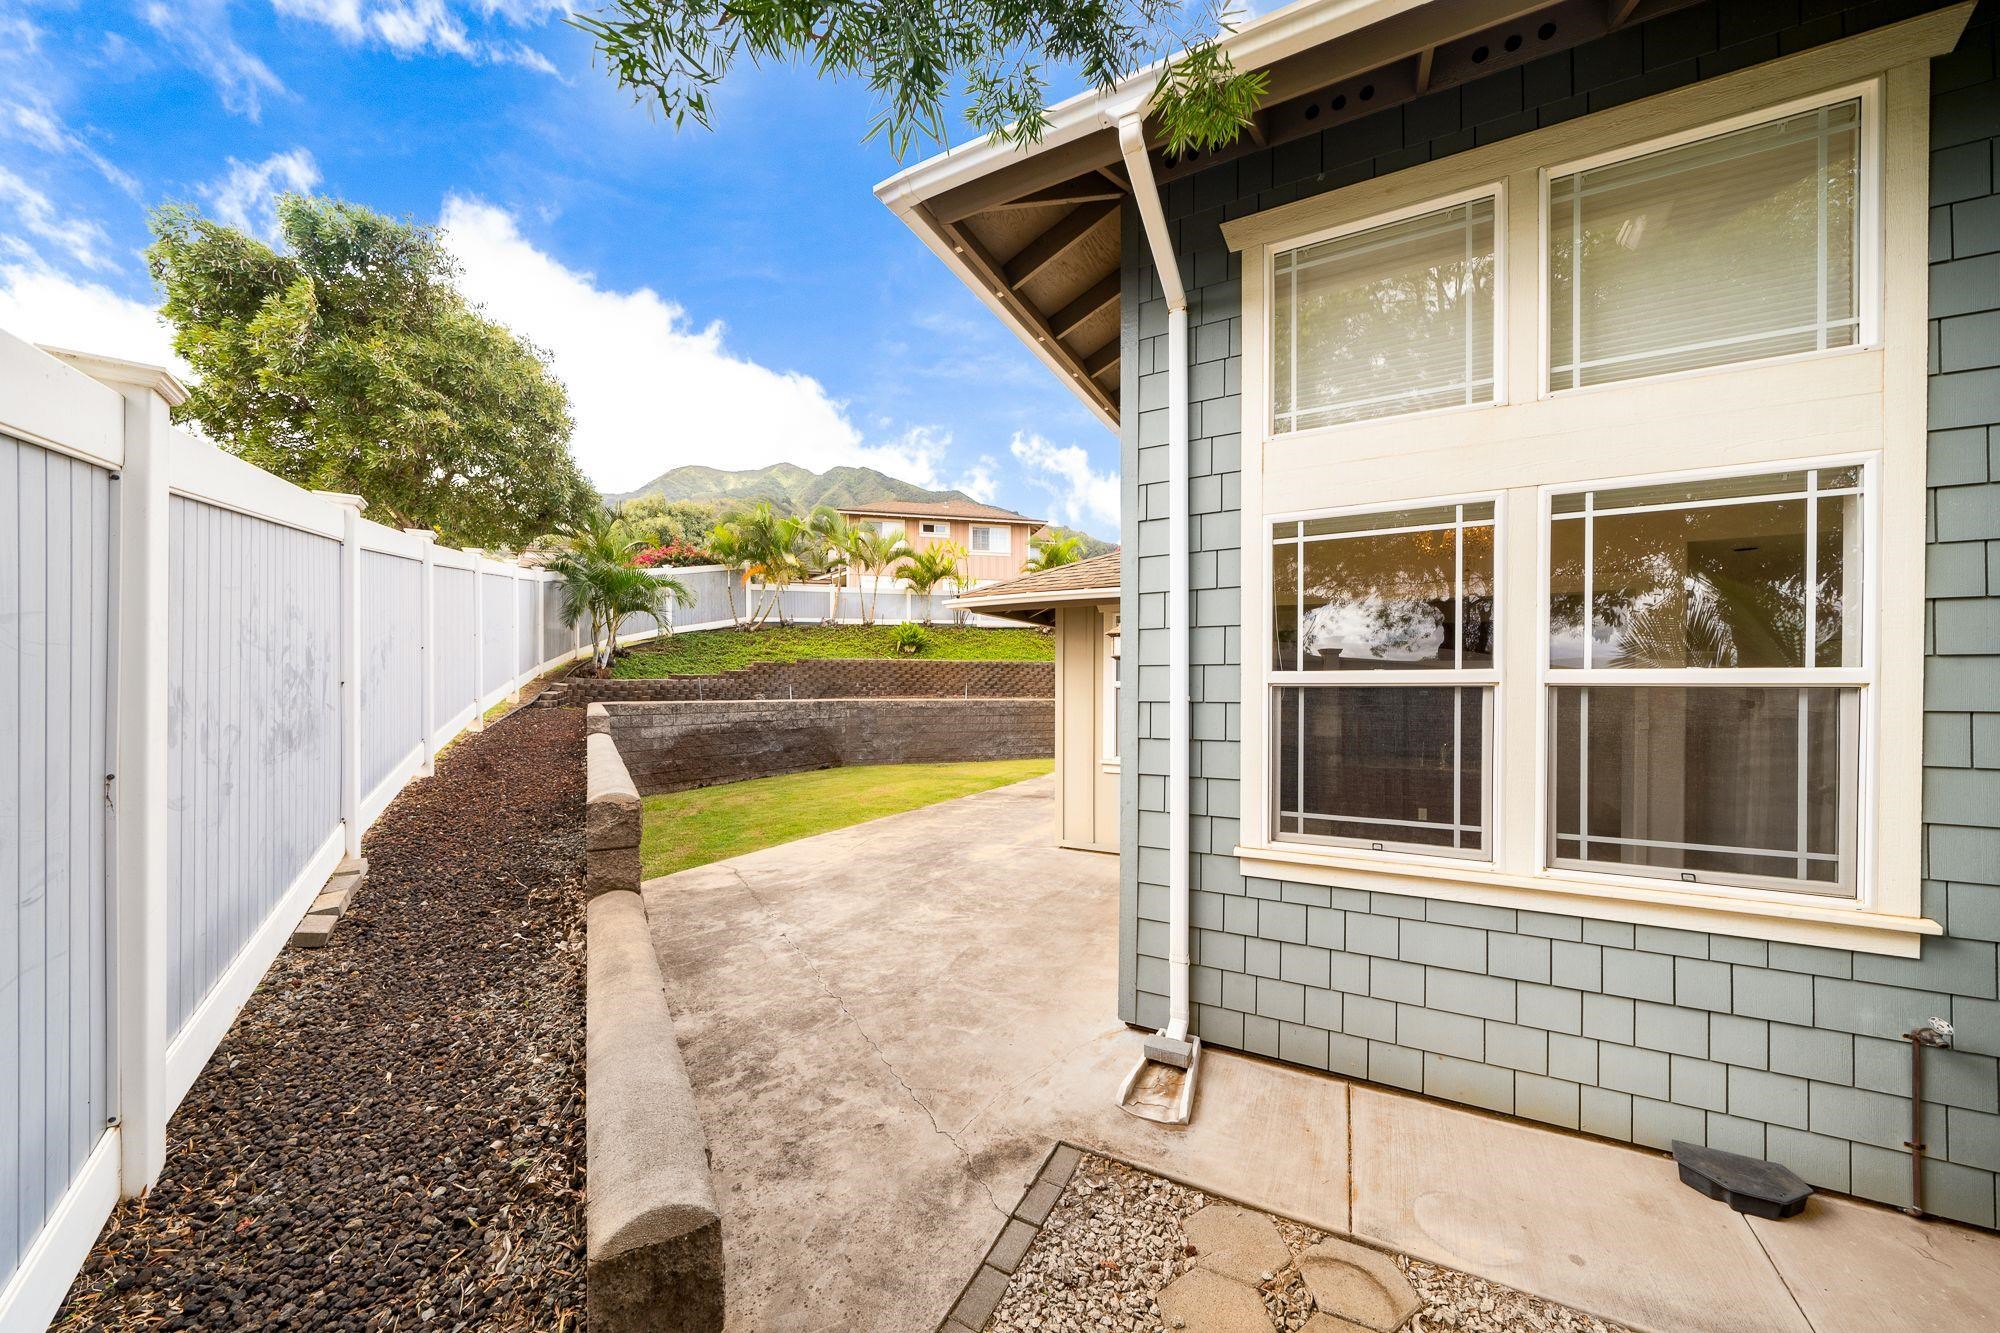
[558,635]
[56,990]
[253,715]
[496,593]
[527,624]
[455,604]
[712,596]
[853,604]
[392,663]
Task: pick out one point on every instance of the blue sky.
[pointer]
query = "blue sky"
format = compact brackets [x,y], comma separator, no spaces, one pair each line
[733,298]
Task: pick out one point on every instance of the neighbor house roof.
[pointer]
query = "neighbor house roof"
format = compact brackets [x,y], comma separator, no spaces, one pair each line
[961,509]
[1092,580]
[1036,232]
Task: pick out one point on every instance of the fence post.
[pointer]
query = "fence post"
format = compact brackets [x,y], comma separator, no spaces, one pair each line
[514,639]
[478,722]
[427,615]
[350,507]
[140,788]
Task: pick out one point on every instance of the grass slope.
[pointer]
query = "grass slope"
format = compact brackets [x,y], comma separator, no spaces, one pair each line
[692,828]
[706,651]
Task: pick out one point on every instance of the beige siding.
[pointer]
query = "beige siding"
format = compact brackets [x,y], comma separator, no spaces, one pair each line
[979,568]
[1086,790]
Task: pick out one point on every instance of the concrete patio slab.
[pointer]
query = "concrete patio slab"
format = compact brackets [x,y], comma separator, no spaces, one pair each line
[1859,1268]
[1593,1225]
[888,1026]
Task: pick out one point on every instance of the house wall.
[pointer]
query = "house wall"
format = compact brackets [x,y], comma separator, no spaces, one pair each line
[1629,1032]
[1086,794]
[978,568]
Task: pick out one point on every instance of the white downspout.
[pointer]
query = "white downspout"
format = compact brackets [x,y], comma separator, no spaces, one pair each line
[1146,194]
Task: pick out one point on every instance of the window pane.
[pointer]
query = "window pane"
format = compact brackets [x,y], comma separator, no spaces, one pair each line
[1729,249]
[1392,320]
[1285,606]
[1389,766]
[1714,783]
[1390,599]
[1716,585]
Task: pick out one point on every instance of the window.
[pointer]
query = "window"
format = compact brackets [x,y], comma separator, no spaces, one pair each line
[1112,665]
[1703,649]
[1395,319]
[1731,248]
[1382,652]
[989,541]
[934,529]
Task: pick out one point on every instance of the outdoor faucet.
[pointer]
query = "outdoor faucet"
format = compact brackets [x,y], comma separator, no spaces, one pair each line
[1935,1033]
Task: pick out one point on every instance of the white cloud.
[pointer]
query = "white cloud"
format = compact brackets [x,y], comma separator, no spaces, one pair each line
[649,389]
[1081,497]
[201,29]
[978,480]
[420,27]
[245,197]
[43,306]
[82,239]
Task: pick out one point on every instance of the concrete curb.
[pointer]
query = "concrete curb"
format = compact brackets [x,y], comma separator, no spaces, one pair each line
[653,1231]
[612,815]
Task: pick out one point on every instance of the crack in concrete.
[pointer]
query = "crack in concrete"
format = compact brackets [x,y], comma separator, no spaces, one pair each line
[828,991]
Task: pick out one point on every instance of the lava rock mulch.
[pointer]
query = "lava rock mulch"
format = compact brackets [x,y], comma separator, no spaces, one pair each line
[391,1136]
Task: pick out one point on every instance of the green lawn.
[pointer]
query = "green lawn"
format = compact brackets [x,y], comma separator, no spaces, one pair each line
[692,828]
[703,652]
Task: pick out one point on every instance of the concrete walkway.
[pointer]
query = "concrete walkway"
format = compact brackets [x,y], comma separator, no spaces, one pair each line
[887,1027]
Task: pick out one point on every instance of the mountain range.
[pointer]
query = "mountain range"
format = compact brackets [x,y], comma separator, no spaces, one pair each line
[787,485]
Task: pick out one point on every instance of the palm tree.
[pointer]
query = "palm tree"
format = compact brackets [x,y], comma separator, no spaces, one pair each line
[935,565]
[771,543]
[871,550]
[599,581]
[1052,551]
[725,543]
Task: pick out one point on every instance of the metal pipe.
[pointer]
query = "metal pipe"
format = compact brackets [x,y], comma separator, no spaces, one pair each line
[1936,1033]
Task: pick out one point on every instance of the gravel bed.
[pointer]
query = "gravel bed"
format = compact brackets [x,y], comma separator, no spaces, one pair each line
[391,1135]
[1114,1239]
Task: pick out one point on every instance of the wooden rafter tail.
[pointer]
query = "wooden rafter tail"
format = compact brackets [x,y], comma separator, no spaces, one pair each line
[994,275]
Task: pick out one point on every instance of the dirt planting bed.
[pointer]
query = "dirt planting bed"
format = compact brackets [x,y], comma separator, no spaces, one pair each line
[391,1136]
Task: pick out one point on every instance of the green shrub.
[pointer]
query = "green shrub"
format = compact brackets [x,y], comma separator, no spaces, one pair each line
[911,639]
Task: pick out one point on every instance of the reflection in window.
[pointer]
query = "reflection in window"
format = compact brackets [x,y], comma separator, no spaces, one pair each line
[1391,320]
[1715,575]
[1400,763]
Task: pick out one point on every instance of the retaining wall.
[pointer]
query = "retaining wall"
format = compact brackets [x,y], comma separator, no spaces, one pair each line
[674,745]
[835,678]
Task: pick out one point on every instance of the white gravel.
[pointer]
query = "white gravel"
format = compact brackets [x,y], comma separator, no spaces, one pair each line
[1114,1240]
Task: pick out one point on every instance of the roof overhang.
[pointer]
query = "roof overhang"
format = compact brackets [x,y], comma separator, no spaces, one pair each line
[1035,232]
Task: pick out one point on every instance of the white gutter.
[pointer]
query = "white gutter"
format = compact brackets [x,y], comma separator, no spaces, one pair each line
[1146,194]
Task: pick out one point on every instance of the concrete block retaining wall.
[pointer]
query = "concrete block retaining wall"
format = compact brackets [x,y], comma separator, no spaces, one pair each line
[653,1231]
[835,678]
[671,746]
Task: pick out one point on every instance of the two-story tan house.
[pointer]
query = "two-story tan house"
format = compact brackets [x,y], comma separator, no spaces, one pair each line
[995,540]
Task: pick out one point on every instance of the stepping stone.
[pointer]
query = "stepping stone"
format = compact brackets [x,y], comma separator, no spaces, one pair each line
[1319,1321]
[1747,1184]
[1360,1285]
[1208,1302]
[1236,1242]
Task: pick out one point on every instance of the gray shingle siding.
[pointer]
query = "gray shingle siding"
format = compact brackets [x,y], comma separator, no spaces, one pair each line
[1642,1035]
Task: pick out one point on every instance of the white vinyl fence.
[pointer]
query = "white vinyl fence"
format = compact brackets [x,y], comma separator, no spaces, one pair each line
[710,586]
[211,682]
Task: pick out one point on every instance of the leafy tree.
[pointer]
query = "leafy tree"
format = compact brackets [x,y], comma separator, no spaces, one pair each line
[347,360]
[1050,551]
[997,54]
[600,583]
[654,520]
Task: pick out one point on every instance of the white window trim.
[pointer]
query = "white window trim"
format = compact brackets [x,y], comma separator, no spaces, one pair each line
[1494,190]
[1867,400]
[997,537]
[926,528]
[1863,678]
[1868,226]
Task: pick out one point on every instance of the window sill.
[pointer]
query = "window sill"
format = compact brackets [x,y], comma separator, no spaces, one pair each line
[1789,922]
